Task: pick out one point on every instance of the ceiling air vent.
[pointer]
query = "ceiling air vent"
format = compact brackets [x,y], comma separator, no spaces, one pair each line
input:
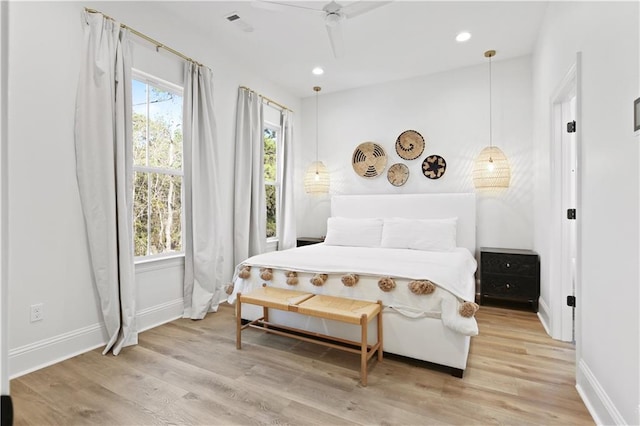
[238,22]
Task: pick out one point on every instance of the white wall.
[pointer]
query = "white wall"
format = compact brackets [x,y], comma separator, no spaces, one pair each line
[48,257]
[609,338]
[4,287]
[451,111]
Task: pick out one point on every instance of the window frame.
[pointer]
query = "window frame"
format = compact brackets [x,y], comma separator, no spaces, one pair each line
[159,83]
[277,129]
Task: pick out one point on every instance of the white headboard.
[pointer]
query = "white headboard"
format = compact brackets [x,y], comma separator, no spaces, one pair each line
[414,206]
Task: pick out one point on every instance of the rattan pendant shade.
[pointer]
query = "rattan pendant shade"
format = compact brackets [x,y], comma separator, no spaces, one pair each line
[316,179]
[491,168]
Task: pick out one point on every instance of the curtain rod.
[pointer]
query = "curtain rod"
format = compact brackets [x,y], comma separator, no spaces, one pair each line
[271,101]
[147,38]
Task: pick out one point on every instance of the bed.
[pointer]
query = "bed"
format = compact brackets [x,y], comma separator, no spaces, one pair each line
[398,249]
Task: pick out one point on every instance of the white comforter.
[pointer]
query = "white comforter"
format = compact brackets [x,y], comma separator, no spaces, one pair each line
[452,272]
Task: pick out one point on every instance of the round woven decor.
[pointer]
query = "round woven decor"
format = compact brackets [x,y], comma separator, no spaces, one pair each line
[434,167]
[398,174]
[410,145]
[369,160]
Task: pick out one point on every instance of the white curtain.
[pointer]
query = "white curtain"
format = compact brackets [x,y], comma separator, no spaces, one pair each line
[104,172]
[202,229]
[285,210]
[249,227]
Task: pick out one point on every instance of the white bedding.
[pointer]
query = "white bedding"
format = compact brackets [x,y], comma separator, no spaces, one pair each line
[452,272]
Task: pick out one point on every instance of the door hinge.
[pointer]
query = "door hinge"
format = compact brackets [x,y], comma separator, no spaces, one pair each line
[571,214]
[571,126]
[571,301]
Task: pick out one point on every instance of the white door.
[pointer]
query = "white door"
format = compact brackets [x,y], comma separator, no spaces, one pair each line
[569,245]
[565,182]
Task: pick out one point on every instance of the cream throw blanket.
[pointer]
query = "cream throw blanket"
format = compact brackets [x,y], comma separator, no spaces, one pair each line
[451,271]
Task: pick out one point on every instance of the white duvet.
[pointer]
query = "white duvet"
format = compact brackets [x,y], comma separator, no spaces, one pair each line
[451,271]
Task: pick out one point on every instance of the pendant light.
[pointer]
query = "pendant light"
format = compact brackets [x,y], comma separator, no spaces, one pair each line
[316,179]
[491,168]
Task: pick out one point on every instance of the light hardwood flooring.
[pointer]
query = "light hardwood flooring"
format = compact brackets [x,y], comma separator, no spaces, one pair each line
[189,372]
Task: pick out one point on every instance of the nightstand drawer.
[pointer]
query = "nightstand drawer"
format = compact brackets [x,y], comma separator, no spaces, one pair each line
[509,287]
[307,241]
[499,263]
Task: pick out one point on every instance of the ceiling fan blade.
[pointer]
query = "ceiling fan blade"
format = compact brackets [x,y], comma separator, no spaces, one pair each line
[361,7]
[335,37]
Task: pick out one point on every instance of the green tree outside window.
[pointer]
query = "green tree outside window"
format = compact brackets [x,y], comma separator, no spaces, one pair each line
[157,158]
[270,153]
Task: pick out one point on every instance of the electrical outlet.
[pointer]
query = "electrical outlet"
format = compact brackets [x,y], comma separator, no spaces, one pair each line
[37,313]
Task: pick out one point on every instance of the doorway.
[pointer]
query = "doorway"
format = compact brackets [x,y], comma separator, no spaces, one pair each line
[565,183]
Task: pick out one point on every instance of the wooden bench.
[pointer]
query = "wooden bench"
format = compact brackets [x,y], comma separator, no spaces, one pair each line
[340,309]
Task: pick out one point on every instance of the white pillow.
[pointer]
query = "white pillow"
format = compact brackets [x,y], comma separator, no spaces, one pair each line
[420,234]
[342,231]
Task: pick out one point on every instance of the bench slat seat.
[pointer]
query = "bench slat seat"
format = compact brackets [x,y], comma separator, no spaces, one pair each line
[277,298]
[338,308]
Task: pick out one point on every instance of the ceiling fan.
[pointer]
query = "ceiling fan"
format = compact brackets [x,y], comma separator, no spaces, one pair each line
[334,14]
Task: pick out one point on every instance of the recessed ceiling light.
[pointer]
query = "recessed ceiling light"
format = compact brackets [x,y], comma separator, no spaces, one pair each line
[317,71]
[463,36]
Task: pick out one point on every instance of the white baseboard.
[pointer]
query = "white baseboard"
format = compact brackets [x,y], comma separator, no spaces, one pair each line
[159,314]
[543,315]
[43,353]
[600,406]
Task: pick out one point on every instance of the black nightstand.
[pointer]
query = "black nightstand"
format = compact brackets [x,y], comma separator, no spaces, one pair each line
[306,241]
[509,275]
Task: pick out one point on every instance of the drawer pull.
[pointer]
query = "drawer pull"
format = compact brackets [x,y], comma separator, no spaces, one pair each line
[508,265]
[508,285]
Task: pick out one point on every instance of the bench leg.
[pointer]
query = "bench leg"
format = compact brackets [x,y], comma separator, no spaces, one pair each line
[363,350]
[265,316]
[380,339]
[238,322]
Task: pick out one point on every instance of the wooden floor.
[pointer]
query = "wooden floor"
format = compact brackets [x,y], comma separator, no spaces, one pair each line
[189,372]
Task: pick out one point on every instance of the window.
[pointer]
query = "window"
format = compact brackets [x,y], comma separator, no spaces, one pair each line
[157,166]
[271,133]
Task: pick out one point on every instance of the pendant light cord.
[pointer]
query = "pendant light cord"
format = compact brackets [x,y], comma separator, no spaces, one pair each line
[317,89]
[490,107]
[316,131]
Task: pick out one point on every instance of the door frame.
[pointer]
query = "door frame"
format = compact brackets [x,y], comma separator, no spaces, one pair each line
[4,285]
[565,321]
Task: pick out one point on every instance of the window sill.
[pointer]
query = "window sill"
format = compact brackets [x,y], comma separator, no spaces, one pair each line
[161,261]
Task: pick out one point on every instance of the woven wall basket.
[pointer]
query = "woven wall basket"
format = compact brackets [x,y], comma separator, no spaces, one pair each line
[398,174]
[369,160]
[410,145]
[434,167]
